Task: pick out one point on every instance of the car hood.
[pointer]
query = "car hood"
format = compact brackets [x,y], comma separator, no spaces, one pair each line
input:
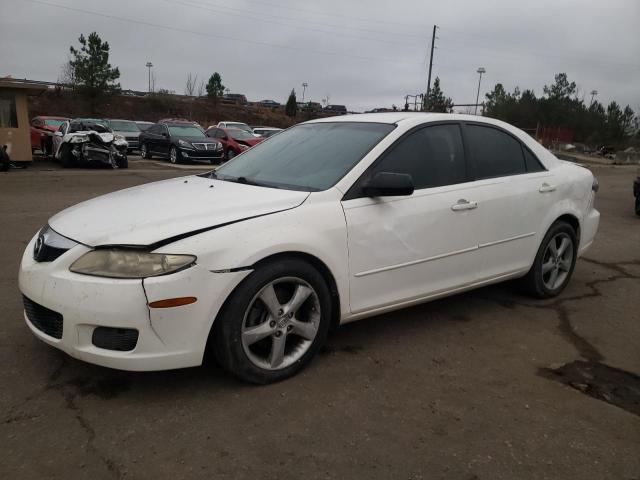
[197,139]
[157,212]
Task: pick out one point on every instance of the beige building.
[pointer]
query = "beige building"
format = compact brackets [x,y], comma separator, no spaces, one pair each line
[14,117]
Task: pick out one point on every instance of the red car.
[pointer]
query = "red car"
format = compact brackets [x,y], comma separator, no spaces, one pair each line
[42,129]
[234,141]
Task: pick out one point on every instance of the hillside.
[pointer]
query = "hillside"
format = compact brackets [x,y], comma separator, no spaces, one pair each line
[154,107]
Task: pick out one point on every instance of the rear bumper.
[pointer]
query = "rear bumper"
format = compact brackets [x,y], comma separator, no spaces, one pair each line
[589,229]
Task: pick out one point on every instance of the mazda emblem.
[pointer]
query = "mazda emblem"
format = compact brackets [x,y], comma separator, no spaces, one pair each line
[38,248]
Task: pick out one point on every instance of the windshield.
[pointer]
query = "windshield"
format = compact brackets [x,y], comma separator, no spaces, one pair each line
[308,157]
[123,126]
[185,131]
[53,123]
[240,134]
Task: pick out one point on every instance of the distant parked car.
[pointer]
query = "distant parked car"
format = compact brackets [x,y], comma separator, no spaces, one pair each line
[143,126]
[179,140]
[238,125]
[636,193]
[336,109]
[237,98]
[312,107]
[42,130]
[128,129]
[89,141]
[268,103]
[234,140]
[266,132]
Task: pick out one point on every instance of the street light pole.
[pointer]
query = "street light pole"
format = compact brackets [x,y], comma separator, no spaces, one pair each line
[480,70]
[304,87]
[593,94]
[149,65]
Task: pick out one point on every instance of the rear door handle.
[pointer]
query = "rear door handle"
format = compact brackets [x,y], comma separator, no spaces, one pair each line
[464,204]
[545,187]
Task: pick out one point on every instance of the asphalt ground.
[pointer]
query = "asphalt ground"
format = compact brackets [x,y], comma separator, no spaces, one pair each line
[488,384]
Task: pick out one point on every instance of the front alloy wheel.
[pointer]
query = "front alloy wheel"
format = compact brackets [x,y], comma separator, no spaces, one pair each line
[173,155]
[274,322]
[281,323]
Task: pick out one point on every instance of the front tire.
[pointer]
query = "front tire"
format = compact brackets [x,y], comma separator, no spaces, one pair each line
[230,154]
[638,205]
[123,162]
[554,262]
[66,157]
[174,155]
[273,324]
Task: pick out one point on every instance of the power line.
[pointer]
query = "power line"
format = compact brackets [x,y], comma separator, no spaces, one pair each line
[337,15]
[210,35]
[199,5]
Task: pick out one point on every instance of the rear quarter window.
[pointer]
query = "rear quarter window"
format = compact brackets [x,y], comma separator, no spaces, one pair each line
[494,152]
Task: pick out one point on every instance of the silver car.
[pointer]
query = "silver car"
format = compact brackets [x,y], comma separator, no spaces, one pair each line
[128,129]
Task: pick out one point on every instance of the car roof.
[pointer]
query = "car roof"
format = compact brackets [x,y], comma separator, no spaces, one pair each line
[398,117]
[50,117]
[120,120]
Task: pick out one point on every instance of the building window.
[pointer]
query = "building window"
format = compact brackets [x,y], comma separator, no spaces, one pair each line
[8,117]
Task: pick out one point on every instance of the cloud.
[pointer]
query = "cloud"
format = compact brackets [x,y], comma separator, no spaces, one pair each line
[363,54]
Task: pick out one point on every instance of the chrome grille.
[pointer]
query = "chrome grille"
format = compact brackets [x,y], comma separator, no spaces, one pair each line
[204,146]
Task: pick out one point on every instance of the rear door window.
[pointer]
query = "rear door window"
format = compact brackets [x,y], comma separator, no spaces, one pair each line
[494,152]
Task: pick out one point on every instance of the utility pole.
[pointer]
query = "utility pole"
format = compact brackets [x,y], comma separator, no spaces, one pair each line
[433,41]
[149,65]
[480,70]
[593,94]
[304,87]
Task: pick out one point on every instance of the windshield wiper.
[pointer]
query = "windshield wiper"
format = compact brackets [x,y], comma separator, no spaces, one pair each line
[244,180]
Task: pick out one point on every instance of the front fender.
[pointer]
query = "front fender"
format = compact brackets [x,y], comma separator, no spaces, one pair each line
[316,229]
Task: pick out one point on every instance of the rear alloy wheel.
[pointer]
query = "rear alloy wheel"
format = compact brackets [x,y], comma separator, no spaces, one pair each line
[174,156]
[274,323]
[144,152]
[554,262]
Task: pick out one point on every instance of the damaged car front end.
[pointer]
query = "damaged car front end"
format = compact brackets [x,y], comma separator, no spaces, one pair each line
[86,143]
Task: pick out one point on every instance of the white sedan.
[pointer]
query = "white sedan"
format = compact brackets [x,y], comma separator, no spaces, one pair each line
[330,221]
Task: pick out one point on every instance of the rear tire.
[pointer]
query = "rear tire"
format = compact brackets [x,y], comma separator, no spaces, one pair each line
[144,152]
[554,262]
[294,330]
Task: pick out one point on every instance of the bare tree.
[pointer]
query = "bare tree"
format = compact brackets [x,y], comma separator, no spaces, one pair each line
[202,88]
[326,100]
[190,86]
[67,75]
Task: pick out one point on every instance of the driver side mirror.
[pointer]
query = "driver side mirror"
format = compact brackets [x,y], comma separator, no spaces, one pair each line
[388,184]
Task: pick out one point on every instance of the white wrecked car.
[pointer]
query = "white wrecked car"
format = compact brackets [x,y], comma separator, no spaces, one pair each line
[86,141]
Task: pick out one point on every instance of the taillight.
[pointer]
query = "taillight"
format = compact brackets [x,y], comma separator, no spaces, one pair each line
[595,186]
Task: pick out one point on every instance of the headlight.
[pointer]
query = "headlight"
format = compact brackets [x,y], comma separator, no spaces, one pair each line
[79,139]
[130,263]
[218,146]
[119,137]
[182,143]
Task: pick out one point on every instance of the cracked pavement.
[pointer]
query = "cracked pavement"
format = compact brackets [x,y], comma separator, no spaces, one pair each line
[452,389]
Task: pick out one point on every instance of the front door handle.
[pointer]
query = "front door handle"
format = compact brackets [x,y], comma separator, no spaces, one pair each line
[545,187]
[464,204]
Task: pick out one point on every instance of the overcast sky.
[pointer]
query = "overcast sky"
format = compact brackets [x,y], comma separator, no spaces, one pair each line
[363,54]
